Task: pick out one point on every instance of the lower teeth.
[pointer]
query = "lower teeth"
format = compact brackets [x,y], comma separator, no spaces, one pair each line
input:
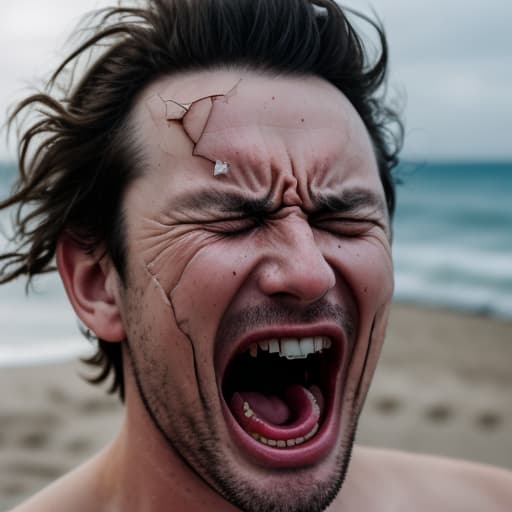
[289,442]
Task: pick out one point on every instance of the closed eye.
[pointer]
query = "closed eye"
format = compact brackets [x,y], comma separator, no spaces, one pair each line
[344,226]
[236,226]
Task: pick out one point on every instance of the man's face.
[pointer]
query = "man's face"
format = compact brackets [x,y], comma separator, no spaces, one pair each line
[256,300]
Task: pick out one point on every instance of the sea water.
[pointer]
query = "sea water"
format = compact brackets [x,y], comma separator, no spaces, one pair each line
[452,248]
[453,236]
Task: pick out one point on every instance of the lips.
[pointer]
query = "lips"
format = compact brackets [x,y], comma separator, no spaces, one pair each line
[298,424]
[281,393]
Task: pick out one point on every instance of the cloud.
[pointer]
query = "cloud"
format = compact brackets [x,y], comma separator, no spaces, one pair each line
[452,58]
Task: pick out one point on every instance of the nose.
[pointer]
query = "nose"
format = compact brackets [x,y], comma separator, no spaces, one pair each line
[295,266]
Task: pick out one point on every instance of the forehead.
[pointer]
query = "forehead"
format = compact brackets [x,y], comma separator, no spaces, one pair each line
[272,132]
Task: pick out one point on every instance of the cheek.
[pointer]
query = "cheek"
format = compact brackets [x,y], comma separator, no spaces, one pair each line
[366,265]
[156,344]
[207,285]
[159,342]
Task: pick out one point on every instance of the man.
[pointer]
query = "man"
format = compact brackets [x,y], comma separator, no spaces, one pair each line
[216,191]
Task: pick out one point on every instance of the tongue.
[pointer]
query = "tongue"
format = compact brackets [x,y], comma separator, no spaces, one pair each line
[270,409]
[293,416]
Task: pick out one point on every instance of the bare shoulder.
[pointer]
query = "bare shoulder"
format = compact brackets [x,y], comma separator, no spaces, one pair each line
[75,491]
[421,482]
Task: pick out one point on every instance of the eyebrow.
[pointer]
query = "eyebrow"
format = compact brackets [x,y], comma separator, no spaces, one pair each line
[224,202]
[349,201]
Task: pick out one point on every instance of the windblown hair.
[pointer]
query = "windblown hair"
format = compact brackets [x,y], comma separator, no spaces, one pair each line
[76,157]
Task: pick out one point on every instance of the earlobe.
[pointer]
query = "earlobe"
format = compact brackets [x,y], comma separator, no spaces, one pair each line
[92,285]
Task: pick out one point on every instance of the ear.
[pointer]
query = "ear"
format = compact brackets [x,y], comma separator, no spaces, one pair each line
[92,285]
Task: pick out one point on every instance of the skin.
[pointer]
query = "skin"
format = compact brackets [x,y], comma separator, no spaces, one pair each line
[269,132]
[201,274]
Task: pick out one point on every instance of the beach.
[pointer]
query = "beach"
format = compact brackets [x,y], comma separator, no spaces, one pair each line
[443,386]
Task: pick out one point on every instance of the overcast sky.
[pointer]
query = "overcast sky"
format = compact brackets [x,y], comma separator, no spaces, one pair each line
[451,60]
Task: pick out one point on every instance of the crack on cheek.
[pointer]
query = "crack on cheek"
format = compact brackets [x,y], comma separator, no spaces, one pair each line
[194,118]
[358,401]
[180,325]
[377,331]
[165,297]
[157,283]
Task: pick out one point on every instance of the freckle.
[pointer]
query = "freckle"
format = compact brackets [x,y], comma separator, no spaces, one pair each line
[273,98]
[302,120]
[234,273]
[339,246]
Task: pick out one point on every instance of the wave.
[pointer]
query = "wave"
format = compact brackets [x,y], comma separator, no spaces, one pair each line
[464,278]
[48,350]
[419,289]
[469,261]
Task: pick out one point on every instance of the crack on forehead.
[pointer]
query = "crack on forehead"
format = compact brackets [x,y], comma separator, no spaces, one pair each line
[193,117]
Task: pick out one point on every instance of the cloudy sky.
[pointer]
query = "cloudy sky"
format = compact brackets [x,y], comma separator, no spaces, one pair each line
[451,61]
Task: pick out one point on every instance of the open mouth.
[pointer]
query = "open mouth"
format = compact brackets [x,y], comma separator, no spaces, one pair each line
[280,391]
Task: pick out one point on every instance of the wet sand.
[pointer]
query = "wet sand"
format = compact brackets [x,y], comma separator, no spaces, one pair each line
[443,386]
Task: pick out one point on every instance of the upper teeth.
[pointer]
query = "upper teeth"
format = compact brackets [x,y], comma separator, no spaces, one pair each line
[291,348]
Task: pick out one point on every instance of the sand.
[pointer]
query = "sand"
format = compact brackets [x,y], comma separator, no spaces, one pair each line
[443,386]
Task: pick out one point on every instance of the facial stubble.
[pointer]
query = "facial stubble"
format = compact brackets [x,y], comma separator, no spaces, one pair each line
[195,438]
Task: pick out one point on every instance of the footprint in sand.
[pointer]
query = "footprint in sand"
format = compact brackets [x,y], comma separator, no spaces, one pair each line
[387,405]
[439,413]
[29,431]
[489,420]
[34,440]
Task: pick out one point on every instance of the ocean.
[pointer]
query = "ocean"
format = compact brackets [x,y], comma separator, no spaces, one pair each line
[452,249]
[453,236]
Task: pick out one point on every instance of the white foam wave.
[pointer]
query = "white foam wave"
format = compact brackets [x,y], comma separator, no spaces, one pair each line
[43,351]
[415,287]
[35,314]
[477,262]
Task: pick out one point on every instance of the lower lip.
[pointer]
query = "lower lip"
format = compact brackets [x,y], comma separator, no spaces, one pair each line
[309,453]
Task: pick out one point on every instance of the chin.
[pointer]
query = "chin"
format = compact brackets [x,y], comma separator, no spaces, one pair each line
[306,489]
[276,431]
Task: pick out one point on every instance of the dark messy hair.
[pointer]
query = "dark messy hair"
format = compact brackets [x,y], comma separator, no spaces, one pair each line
[76,158]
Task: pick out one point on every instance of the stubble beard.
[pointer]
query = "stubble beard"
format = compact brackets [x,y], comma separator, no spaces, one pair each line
[195,437]
[306,495]
[198,446]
